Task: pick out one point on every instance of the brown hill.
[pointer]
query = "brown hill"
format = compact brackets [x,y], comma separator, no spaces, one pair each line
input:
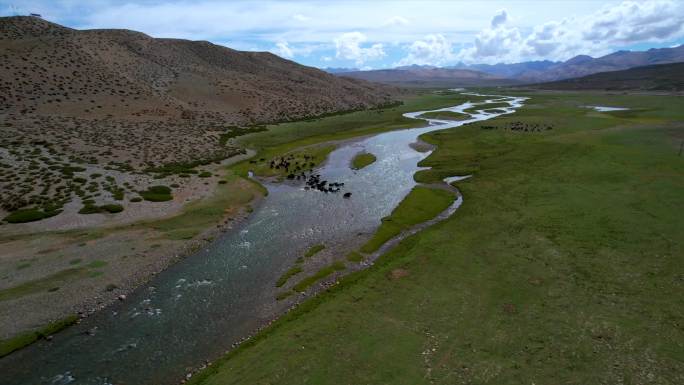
[419,76]
[120,75]
[118,102]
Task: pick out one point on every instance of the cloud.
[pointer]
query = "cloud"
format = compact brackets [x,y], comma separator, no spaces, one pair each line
[478,30]
[499,19]
[432,50]
[283,49]
[632,22]
[289,51]
[395,21]
[348,46]
[500,41]
[596,34]
[300,17]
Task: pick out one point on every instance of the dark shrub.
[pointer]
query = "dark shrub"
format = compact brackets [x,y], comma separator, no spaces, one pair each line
[112,208]
[157,194]
[89,209]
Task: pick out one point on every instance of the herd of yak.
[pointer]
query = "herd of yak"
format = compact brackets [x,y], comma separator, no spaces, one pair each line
[521,126]
[297,170]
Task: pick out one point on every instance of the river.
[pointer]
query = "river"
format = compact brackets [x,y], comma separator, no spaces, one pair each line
[199,307]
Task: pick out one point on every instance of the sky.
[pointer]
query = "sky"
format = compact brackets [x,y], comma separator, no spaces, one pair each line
[385,34]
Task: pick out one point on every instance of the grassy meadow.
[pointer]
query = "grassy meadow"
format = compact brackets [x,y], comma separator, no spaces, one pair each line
[303,137]
[564,265]
[420,205]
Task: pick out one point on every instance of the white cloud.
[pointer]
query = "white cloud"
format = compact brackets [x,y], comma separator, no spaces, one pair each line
[283,49]
[300,17]
[596,34]
[499,18]
[432,50]
[395,21]
[632,22]
[326,58]
[500,41]
[348,46]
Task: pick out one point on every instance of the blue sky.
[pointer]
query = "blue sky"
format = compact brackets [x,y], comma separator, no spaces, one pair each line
[382,34]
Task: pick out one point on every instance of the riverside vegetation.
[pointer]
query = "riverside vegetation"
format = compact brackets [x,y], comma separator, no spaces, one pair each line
[362,160]
[562,265]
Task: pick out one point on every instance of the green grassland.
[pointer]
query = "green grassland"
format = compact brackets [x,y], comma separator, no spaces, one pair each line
[313,250]
[320,274]
[202,214]
[294,137]
[420,205]
[310,156]
[50,282]
[355,256]
[362,160]
[297,134]
[288,274]
[9,345]
[444,115]
[564,265]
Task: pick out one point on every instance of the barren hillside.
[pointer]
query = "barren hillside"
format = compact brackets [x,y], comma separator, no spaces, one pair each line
[122,100]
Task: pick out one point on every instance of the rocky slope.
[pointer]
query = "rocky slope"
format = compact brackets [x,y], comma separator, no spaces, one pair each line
[122,100]
[58,72]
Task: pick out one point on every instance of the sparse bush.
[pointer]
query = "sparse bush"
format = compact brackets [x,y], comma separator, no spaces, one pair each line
[30,215]
[112,208]
[89,209]
[157,194]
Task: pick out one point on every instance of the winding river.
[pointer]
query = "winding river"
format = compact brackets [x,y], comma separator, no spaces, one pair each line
[198,308]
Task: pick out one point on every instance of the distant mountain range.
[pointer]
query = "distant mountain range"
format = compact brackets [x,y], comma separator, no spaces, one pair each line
[333,70]
[522,71]
[659,77]
[525,72]
[419,76]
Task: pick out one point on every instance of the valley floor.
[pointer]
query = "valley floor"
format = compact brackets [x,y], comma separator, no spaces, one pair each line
[563,265]
[69,264]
